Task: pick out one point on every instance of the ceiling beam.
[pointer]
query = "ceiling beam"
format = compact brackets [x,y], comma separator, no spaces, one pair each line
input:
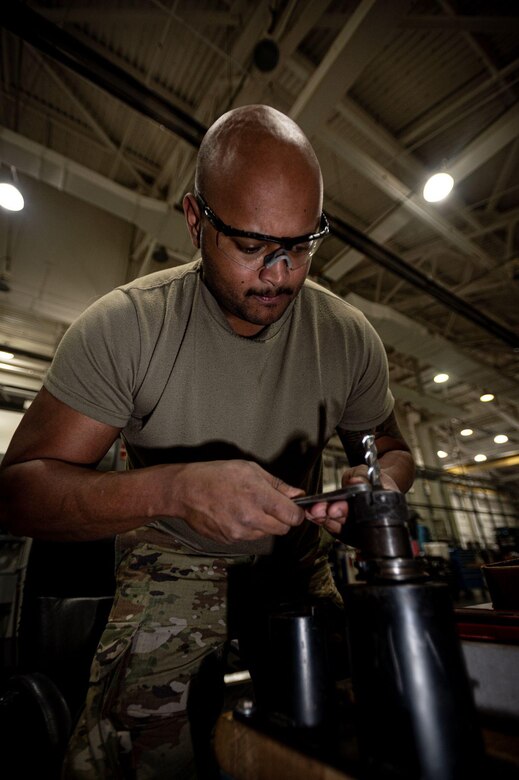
[348,258]
[87,114]
[422,131]
[399,192]
[502,132]
[256,23]
[81,13]
[462,23]
[499,134]
[46,114]
[58,44]
[149,214]
[363,36]
[395,264]
[410,338]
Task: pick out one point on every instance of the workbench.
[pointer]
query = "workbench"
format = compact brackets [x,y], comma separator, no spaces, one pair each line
[244,752]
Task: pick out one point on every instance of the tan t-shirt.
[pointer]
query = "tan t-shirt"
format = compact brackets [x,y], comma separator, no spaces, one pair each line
[158,359]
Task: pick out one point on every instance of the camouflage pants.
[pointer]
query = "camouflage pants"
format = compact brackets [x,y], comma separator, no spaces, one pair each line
[168,617]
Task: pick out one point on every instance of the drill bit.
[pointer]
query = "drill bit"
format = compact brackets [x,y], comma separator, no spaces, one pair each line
[370,456]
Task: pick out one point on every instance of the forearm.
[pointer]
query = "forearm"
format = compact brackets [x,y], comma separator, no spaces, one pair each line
[393,453]
[58,501]
[227,501]
[399,465]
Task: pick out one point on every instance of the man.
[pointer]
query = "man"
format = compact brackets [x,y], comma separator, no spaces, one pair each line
[226,378]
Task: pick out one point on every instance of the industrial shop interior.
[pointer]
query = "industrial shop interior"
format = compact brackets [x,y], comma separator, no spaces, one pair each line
[411,110]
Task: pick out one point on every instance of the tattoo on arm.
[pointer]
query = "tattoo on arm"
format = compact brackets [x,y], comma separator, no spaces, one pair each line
[387,438]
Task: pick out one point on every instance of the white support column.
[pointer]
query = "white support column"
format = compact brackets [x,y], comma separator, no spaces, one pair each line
[442,521]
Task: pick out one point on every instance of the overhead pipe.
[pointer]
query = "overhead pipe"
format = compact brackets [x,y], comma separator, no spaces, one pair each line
[392,262]
[60,45]
[69,51]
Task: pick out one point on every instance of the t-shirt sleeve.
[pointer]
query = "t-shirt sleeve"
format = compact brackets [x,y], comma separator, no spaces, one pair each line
[94,370]
[370,400]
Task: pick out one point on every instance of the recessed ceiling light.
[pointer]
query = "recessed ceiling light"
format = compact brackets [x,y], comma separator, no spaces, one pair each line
[501,438]
[437,187]
[486,397]
[442,454]
[10,197]
[6,355]
[480,458]
[466,432]
[440,378]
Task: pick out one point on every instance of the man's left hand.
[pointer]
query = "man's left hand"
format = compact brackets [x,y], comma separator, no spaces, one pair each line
[333,514]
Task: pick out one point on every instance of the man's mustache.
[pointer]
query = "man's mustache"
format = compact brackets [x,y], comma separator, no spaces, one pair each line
[270,293]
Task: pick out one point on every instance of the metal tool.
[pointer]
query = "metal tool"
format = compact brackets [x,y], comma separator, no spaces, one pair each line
[342,494]
[370,456]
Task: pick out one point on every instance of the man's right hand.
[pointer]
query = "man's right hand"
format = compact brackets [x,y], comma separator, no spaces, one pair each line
[235,500]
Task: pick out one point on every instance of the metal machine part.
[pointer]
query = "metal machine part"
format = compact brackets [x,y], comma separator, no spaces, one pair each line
[413,710]
[377,528]
[415,713]
[300,689]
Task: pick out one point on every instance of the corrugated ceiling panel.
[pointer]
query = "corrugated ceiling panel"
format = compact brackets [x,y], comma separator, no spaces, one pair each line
[417,70]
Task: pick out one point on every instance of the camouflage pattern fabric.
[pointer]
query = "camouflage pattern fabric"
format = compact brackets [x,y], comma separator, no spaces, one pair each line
[169,614]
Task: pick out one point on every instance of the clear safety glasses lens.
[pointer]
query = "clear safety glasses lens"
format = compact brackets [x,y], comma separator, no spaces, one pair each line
[254,254]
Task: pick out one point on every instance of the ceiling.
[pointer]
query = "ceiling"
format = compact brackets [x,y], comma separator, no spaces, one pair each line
[119,93]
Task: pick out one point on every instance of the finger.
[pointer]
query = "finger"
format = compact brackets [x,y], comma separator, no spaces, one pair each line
[253,527]
[356,475]
[269,525]
[281,509]
[324,509]
[287,490]
[317,511]
[334,526]
[338,509]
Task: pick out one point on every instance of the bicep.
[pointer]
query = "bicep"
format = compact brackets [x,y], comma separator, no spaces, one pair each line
[388,438]
[52,429]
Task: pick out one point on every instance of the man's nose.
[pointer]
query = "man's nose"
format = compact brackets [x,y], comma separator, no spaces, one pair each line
[276,268]
[278,256]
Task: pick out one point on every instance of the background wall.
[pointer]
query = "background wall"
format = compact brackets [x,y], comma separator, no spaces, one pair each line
[60,253]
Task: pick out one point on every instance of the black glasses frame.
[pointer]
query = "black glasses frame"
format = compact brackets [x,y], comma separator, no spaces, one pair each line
[287,242]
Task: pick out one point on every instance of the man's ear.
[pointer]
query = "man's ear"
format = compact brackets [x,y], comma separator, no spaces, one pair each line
[192,215]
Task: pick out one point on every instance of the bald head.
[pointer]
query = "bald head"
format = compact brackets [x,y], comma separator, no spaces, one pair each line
[254,142]
[261,185]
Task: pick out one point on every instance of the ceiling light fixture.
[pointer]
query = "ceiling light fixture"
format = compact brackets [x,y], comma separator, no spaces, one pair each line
[501,438]
[480,458]
[6,355]
[466,432]
[486,397]
[10,196]
[440,378]
[437,187]
[442,454]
